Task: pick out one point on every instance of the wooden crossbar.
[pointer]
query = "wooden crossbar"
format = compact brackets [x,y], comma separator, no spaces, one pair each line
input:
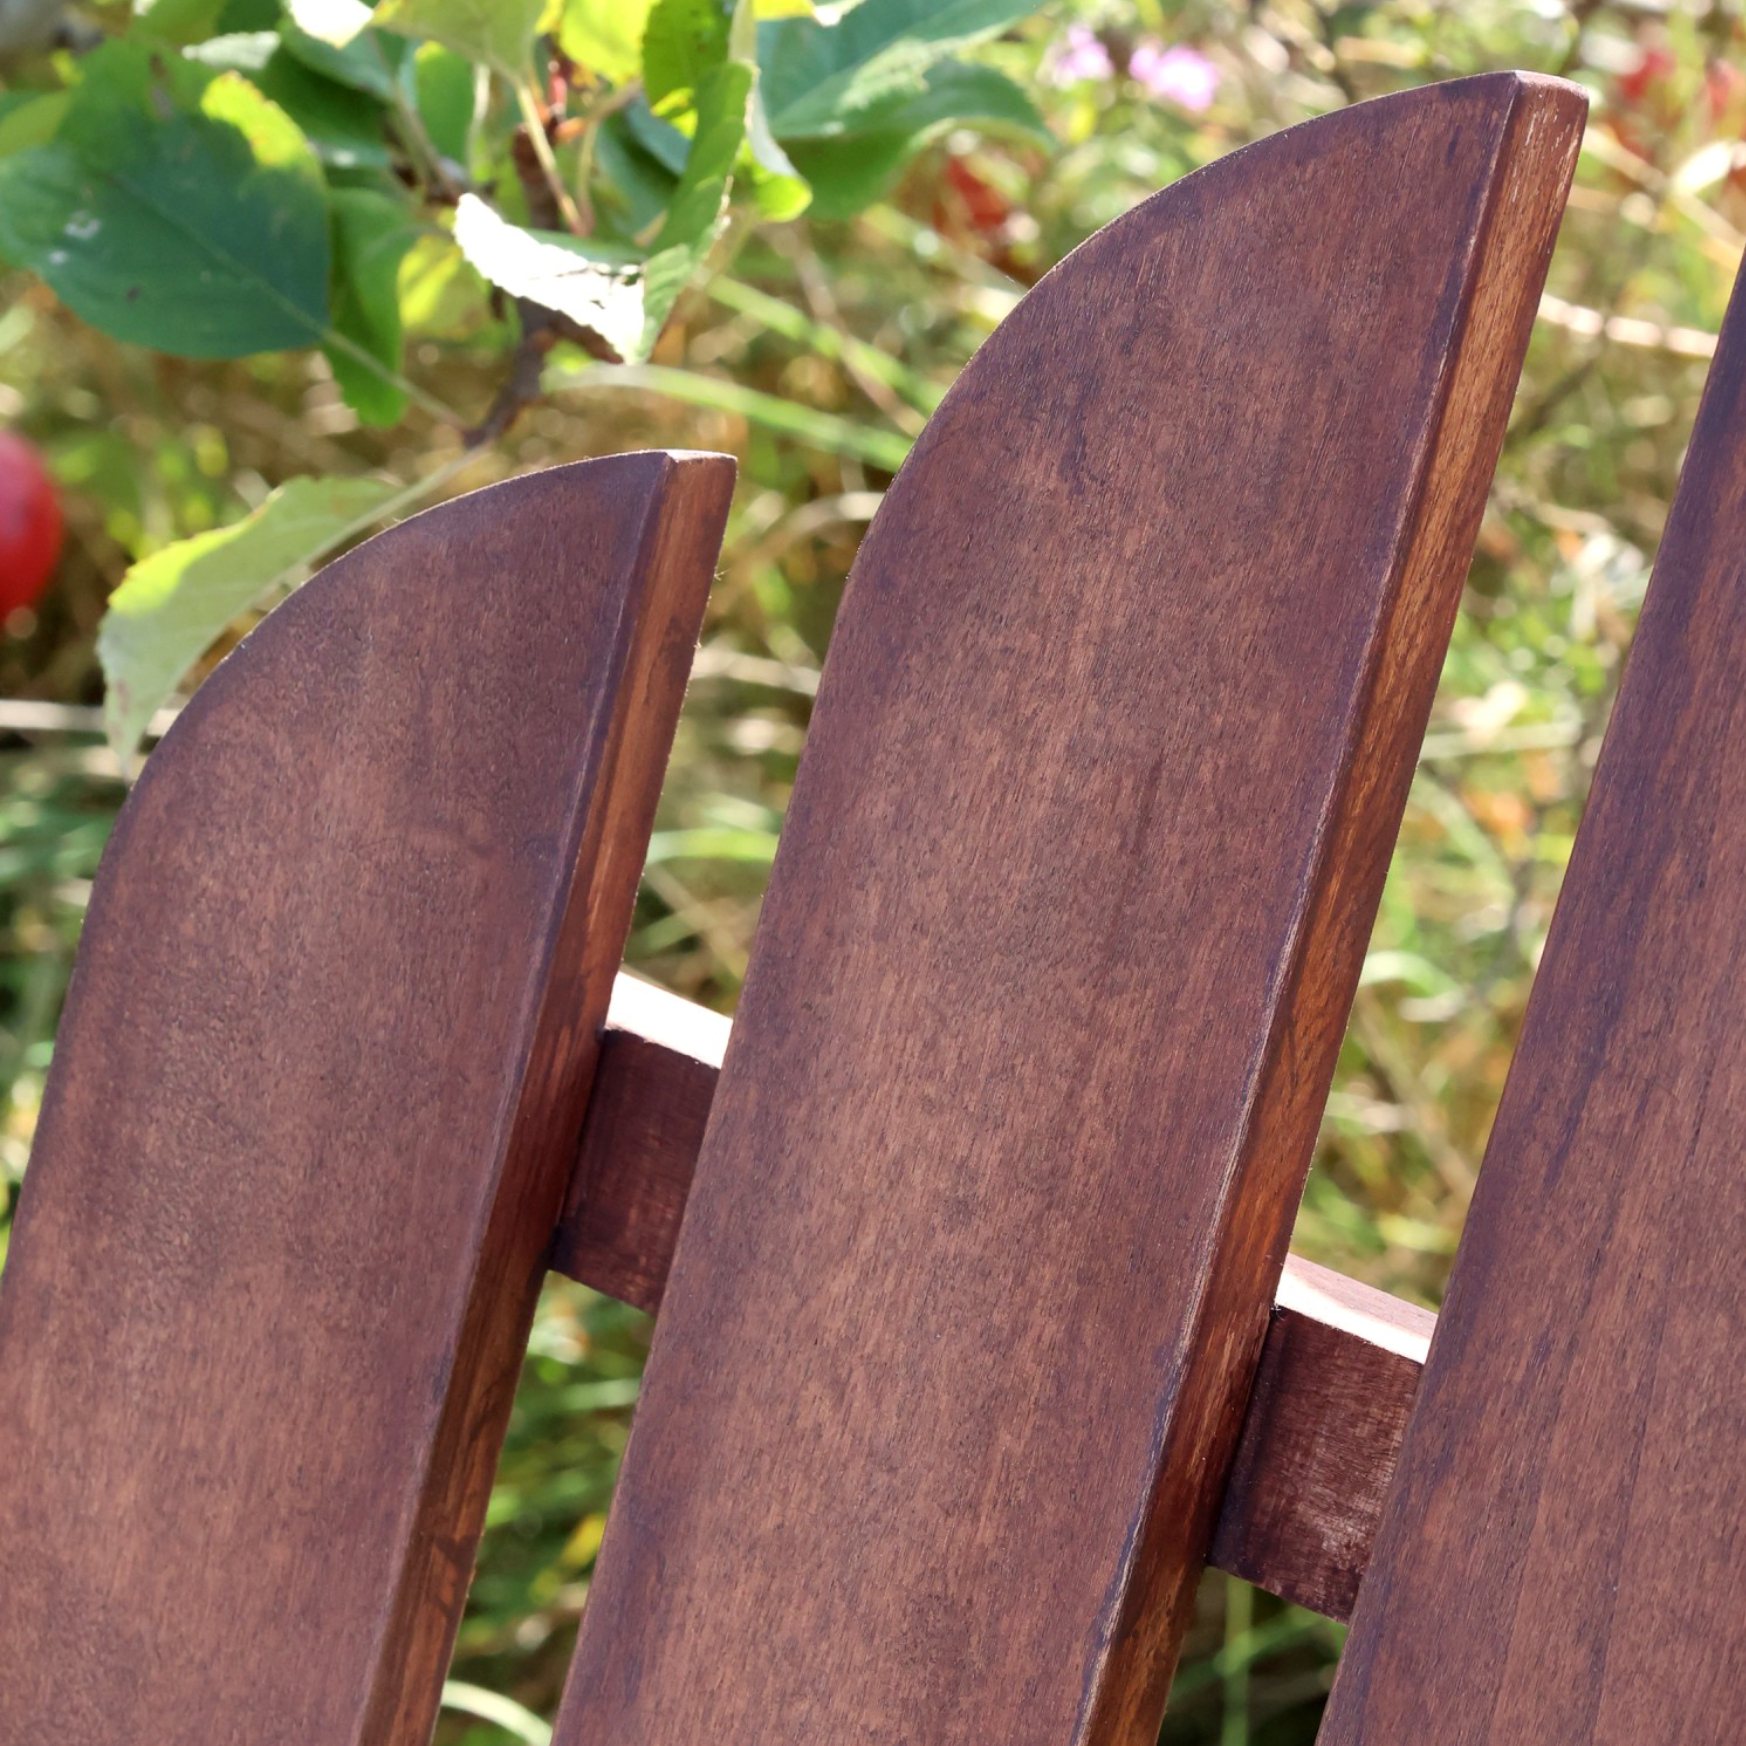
[1336,1382]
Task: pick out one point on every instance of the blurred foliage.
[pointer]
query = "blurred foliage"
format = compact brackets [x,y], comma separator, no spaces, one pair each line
[814,349]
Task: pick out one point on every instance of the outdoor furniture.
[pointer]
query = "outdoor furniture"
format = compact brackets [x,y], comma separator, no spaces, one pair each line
[974,1338]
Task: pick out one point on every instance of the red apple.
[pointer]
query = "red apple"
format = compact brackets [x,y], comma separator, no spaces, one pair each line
[30,524]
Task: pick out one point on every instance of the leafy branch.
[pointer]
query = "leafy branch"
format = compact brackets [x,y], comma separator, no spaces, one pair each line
[227,177]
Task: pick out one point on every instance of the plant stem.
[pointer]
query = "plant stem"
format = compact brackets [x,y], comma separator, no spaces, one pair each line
[542,150]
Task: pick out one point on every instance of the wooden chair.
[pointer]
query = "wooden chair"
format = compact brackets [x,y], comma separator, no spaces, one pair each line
[974,1339]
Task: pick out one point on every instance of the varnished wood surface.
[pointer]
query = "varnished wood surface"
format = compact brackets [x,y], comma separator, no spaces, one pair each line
[1338,1372]
[312,1110]
[1561,1560]
[1109,753]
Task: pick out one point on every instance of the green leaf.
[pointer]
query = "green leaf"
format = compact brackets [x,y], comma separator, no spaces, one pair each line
[953,93]
[781,191]
[698,202]
[657,136]
[623,301]
[237,15]
[636,186]
[27,119]
[605,36]
[174,209]
[723,100]
[821,81]
[331,37]
[178,21]
[600,289]
[498,32]
[171,606]
[441,293]
[444,93]
[683,42]
[371,234]
[342,122]
[849,174]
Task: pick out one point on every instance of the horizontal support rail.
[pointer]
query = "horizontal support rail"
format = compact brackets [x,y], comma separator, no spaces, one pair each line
[1338,1372]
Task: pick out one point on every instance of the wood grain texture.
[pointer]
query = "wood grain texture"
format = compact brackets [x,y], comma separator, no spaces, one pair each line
[313,1104]
[1338,1372]
[641,1136]
[1111,747]
[1332,1396]
[1560,1559]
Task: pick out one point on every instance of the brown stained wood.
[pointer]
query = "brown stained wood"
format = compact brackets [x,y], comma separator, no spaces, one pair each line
[1338,1371]
[1561,1559]
[1112,743]
[313,1103]
[641,1135]
[1330,1404]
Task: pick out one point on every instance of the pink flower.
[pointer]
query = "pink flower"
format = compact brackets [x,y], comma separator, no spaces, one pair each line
[1180,75]
[1081,57]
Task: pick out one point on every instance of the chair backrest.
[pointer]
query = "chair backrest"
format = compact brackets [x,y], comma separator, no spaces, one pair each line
[973,1338]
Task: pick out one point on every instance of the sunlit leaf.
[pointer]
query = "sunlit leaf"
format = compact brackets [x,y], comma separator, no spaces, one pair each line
[683,41]
[605,36]
[335,22]
[342,121]
[366,60]
[498,32]
[441,292]
[558,272]
[697,206]
[171,606]
[781,191]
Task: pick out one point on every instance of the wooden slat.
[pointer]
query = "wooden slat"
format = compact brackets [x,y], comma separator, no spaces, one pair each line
[1337,1376]
[1561,1558]
[1113,739]
[313,1103]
